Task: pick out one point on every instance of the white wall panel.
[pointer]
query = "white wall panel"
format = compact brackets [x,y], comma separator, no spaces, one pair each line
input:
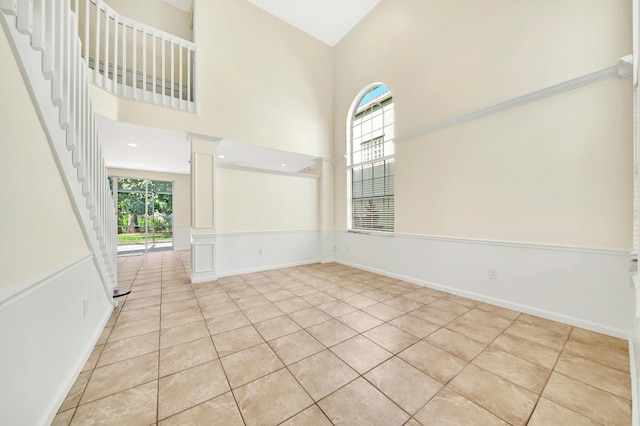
[203,257]
[48,331]
[256,251]
[203,178]
[587,288]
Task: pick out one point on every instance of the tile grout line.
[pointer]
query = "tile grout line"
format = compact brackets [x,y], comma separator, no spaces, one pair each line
[216,349]
[553,369]
[446,385]
[159,346]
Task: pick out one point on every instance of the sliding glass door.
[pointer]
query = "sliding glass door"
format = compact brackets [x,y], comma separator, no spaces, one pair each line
[145,213]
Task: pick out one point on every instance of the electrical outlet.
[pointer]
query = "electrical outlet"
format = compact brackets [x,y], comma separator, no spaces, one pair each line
[493,274]
[260,251]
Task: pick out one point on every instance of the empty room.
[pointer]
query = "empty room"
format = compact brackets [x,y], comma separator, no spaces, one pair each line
[263,212]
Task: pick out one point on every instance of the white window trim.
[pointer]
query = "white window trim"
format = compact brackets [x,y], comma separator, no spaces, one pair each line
[353,109]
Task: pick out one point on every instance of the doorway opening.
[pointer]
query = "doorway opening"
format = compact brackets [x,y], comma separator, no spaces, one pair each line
[145,214]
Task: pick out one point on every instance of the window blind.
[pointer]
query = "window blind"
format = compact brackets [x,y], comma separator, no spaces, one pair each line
[372,197]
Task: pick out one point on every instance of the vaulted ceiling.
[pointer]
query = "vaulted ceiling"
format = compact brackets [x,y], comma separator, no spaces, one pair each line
[326,20]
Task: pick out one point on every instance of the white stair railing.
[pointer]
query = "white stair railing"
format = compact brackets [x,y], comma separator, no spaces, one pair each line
[44,36]
[133,60]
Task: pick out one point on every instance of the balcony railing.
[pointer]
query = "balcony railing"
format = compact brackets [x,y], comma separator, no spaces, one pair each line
[134,60]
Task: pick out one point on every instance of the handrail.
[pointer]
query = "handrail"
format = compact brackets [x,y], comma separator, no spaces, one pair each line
[133,60]
[45,37]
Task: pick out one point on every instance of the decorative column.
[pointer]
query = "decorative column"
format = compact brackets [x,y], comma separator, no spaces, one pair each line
[203,217]
[325,167]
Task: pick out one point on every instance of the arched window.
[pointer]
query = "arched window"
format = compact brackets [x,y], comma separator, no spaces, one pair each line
[370,160]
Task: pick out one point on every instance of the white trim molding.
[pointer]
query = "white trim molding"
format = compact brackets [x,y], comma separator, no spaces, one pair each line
[328,246]
[203,257]
[192,135]
[547,92]
[268,171]
[584,287]
[33,285]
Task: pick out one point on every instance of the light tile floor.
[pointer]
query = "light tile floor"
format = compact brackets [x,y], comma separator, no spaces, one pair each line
[330,344]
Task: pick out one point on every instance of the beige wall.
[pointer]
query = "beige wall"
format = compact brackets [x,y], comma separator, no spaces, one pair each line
[181,191]
[248,201]
[40,231]
[156,13]
[260,81]
[556,171]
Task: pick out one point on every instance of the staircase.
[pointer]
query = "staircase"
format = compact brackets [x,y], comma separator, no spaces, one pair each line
[64,45]
[44,35]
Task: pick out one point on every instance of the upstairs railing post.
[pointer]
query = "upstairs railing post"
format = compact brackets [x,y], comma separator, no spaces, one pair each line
[87,41]
[105,69]
[134,59]
[163,68]
[173,69]
[125,85]
[144,63]
[116,32]
[96,64]
[180,77]
[154,73]
[189,76]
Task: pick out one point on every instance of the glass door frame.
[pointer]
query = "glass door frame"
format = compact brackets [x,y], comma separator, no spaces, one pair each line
[149,195]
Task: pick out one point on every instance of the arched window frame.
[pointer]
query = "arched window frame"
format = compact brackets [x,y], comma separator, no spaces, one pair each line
[370,161]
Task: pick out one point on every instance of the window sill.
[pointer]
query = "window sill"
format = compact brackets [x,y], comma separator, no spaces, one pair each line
[367,232]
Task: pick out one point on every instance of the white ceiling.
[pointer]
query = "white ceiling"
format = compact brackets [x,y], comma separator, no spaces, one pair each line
[133,147]
[326,20]
[155,150]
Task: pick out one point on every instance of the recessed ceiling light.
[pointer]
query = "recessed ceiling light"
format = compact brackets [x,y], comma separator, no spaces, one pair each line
[283,165]
[132,144]
[220,156]
[140,164]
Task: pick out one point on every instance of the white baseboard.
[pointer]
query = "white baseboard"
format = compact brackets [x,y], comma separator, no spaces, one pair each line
[584,287]
[240,253]
[47,335]
[268,268]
